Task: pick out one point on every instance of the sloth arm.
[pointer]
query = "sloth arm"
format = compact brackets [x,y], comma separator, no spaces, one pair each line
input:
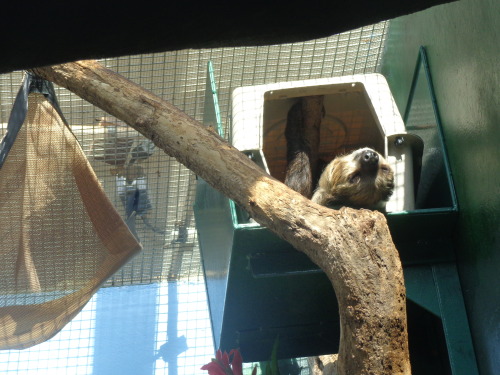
[321,197]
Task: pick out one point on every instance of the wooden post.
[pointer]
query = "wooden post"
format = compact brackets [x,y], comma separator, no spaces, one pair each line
[353,247]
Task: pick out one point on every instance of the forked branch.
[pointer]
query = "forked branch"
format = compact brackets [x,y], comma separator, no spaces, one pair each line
[353,247]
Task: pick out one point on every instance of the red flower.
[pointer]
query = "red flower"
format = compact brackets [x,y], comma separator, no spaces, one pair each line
[237,362]
[226,364]
[214,368]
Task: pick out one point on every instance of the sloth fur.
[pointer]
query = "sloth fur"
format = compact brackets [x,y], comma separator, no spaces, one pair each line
[361,179]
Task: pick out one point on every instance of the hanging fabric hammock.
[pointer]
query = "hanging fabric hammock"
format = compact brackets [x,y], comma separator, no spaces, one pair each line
[60,236]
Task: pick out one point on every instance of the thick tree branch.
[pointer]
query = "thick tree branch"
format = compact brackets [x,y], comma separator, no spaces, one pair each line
[353,247]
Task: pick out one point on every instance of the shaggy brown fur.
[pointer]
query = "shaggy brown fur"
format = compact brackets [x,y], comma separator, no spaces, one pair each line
[299,174]
[361,179]
[302,137]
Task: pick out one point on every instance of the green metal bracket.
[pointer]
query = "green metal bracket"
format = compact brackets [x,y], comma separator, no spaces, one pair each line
[422,90]
[211,113]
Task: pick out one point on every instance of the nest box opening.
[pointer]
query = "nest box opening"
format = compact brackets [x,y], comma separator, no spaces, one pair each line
[348,122]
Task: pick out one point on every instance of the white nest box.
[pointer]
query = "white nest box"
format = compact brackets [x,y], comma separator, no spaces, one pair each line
[359,112]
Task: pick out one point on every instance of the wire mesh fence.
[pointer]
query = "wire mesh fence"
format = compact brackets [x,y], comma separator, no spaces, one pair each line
[166,227]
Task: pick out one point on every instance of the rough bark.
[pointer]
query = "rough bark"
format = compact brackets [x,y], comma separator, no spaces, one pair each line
[323,365]
[353,247]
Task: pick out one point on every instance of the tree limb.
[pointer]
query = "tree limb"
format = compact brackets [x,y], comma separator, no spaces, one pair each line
[353,247]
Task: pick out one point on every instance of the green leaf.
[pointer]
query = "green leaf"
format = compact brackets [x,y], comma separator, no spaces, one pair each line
[274,358]
[268,368]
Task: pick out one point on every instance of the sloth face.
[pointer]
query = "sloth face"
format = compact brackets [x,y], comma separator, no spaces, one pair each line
[361,179]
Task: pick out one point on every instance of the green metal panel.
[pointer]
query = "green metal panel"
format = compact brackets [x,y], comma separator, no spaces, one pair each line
[275,291]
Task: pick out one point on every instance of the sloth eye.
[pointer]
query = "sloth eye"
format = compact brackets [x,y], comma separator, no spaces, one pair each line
[384,168]
[354,179]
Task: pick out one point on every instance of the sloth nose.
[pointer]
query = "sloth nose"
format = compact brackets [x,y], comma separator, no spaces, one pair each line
[369,157]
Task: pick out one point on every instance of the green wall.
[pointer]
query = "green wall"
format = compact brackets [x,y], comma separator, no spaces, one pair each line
[463,46]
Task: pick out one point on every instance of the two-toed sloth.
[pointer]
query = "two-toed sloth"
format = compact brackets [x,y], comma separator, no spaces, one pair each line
[360,179]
